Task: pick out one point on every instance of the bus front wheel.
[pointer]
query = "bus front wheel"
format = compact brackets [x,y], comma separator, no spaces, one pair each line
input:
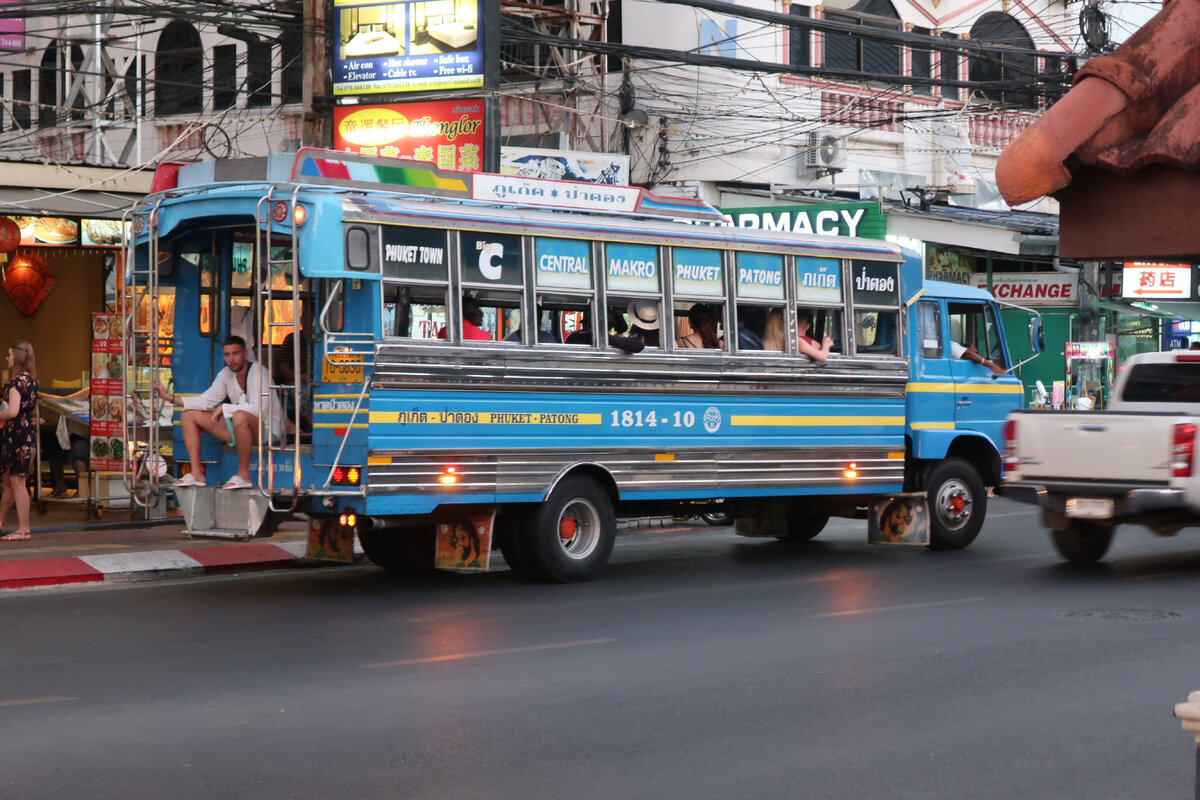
[571,534]
[957,504]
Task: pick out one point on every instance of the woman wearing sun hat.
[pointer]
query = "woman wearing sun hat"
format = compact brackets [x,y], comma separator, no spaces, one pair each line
[643,321]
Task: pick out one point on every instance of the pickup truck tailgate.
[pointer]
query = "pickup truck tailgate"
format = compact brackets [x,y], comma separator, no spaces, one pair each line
[1090,445]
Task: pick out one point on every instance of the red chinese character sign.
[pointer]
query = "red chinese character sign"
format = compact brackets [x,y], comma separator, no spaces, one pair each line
[1147,281]
[107,394]
[447,133]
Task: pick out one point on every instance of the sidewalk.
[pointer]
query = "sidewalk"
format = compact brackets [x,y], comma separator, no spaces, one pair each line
[66,547]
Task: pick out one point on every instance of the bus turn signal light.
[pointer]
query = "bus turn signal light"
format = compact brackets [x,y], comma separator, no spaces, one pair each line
[348,519]
[299,214]
[448,476]
[851,472]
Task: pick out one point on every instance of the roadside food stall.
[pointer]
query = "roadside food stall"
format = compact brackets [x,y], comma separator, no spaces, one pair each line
[61,263]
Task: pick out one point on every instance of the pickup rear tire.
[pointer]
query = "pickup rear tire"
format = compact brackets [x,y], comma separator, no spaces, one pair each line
[957,504]
[1083,542]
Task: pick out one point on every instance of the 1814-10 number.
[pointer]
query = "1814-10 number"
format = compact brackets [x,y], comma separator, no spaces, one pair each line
[649,419]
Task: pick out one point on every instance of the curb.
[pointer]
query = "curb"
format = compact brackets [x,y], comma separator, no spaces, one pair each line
[153,565]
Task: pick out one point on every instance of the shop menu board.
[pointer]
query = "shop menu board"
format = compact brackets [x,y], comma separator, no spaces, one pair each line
[64,232]
[107,394]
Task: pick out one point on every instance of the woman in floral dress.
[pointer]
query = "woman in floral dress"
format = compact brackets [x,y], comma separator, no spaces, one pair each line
[18,437]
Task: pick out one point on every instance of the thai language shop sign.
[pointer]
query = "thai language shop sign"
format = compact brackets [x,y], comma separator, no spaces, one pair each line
[448,133]
[827,219]
[406,47]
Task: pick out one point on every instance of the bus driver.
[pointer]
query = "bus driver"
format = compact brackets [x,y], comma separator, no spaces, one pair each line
[234,422]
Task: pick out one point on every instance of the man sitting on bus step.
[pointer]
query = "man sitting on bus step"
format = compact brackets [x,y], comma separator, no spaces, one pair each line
[235,422]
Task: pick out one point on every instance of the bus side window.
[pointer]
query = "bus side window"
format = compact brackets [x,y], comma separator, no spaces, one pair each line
[825,322]
[752,329]
[699,326]
[501,312]
[413,312]
[638,317]
[875,331]
[929,329]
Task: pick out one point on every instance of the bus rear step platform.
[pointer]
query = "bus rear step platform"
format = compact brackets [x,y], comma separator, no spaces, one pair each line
[223,513]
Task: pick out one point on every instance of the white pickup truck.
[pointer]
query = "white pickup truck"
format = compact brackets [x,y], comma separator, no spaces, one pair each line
[1134,463]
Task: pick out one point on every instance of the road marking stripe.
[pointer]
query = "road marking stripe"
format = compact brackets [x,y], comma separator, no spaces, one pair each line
[29,701]
[485,653]
[878,609]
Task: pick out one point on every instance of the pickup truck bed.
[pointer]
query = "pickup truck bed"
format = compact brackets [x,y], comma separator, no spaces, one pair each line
[1091,471]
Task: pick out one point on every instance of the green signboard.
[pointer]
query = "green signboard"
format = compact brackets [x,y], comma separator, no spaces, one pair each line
[865,220]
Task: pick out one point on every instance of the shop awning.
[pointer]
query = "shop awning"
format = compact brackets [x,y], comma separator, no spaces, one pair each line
[1161,309]
[18,201]
[1010,232]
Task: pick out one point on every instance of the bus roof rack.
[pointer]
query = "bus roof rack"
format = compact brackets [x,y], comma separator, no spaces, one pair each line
[351,170]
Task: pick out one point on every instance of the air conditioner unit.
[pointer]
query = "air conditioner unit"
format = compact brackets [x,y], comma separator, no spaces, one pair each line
[825,151]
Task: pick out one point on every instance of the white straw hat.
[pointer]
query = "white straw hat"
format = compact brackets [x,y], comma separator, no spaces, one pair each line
[644,314]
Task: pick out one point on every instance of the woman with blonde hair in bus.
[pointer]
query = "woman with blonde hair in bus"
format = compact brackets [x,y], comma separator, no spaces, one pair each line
[19,436]
[773,336]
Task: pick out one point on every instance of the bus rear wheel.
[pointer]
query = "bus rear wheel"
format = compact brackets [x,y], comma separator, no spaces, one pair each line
[402,551]
[803,525]
[957,504]
[571,534]
[511,536]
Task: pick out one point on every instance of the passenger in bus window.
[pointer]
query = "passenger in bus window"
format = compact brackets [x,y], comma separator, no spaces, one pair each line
[749,321]
[806,343]
[616,322]
[703,321]
[644,322]
[774,337]
[971,354]
[472,316]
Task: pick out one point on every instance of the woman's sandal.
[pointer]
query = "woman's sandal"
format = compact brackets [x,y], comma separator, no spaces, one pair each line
[16,536]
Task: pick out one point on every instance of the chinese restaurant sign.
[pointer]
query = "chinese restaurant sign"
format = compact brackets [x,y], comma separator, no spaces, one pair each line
[406,47]
[1148,281]
[447,133]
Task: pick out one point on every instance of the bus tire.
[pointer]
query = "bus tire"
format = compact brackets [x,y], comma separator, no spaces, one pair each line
[511,537]
[957,504]
[803,526]
[572,532]
[1082,542]
[401,551]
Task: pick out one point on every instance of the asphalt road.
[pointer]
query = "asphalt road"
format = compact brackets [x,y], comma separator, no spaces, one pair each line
[699,666]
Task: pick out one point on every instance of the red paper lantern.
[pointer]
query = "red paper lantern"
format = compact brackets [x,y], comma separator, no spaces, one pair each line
[27,281]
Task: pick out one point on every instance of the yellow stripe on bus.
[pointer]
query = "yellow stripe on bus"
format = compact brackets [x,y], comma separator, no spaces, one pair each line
[341,425]
[784,421]
[484,418]
[932,426]
[981,388]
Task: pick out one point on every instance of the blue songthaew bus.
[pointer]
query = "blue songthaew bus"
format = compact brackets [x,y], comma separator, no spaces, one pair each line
[458,347]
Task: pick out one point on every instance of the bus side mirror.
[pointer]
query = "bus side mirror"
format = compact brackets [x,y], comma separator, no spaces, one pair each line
[1037,336]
